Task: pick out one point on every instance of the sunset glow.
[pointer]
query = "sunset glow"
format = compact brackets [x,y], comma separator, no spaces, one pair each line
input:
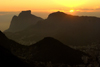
[71,11]
[71,3]
[50,5]
[42,8]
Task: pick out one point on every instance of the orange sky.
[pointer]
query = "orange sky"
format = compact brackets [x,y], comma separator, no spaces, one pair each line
[42,8]
[50,5]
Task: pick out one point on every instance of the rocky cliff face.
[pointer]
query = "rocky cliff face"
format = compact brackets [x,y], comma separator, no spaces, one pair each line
[22,21]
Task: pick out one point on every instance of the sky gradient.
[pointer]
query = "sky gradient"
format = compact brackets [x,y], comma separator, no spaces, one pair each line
[42,8]
[50,5]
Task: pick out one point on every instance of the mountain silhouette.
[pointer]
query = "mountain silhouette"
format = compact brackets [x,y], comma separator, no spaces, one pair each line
[71,30]
[52,50]
[22,21]
[6,57]
[46,50]
[58,16]
[17,49]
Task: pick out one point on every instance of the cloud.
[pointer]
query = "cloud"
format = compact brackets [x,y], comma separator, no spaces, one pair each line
[90,9]
[86,9]
[96,14]
[97,8]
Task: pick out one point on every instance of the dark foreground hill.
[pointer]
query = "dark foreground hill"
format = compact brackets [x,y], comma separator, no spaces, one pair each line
[52,50]
[22,21]
[71,30]
[17,49]
[46,50]
[6,57]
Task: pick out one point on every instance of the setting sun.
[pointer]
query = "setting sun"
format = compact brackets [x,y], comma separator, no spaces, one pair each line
[71,11]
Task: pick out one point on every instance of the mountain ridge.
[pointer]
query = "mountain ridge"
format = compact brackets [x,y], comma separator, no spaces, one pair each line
[69,29]
[6,55]
[46,50]
[22,21]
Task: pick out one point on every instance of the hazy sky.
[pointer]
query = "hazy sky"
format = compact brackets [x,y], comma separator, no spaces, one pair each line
[50,5]
[42,8]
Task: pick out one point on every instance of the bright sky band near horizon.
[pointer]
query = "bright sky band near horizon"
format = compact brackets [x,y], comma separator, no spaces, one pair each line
[50,5]
[42,8]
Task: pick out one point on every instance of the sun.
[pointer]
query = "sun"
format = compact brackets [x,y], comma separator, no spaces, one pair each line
[71,11]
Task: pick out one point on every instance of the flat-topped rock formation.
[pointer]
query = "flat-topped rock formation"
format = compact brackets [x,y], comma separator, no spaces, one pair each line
[22,21]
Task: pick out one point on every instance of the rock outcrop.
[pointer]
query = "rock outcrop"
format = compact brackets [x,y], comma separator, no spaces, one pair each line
[22,21]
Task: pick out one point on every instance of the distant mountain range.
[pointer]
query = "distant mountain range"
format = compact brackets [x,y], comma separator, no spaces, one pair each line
[46,50]
[22,21]
[71,30]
